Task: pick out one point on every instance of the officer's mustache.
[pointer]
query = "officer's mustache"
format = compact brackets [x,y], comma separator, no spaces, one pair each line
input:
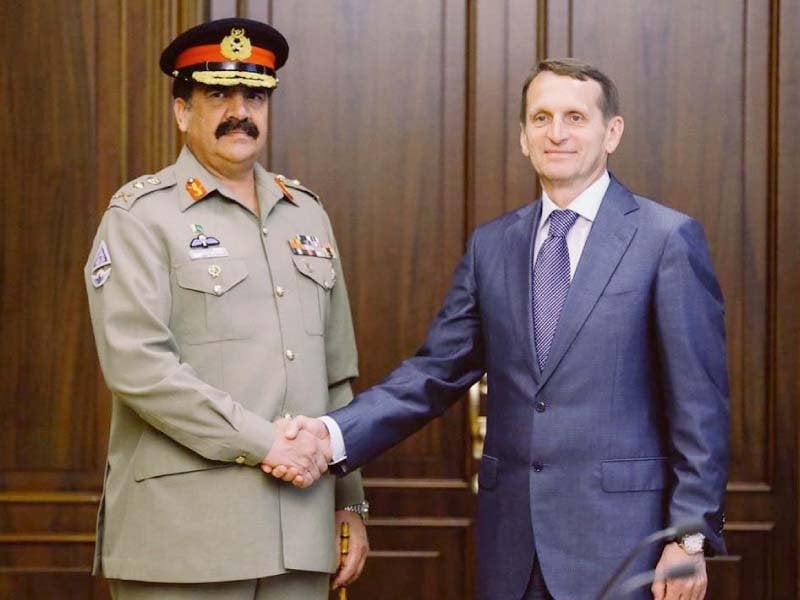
[233,124]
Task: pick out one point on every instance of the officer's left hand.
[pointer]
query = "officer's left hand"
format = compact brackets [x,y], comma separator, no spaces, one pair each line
[687,588]
[353,565]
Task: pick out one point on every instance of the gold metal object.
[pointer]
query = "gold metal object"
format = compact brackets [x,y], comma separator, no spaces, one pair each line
[236,46]
[344,549]
[477,422]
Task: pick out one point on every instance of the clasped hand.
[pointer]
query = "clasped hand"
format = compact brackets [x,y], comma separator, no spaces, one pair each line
[300,453]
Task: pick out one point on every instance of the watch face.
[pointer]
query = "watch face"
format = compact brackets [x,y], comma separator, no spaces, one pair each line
[693,543]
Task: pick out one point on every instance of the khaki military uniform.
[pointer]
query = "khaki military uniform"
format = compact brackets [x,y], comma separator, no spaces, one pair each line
[209,326]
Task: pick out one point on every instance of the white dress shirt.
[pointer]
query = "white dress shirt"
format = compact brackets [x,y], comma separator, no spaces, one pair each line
[586,205]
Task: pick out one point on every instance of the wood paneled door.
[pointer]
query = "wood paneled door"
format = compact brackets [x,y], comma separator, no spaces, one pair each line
[403,116]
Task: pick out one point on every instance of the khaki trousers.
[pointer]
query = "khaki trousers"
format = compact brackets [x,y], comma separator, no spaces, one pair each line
[301,585]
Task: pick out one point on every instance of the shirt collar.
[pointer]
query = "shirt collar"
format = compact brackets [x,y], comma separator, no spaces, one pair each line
[187,168]
[586,204]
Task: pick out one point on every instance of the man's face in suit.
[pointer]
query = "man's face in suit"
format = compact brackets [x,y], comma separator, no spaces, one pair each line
[565,135]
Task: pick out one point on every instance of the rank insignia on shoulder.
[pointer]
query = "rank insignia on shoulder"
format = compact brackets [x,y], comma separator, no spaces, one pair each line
[309,245]
[100,276]
[195,188]
[131,192]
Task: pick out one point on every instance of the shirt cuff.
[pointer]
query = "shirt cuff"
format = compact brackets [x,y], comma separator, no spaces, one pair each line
[337,441]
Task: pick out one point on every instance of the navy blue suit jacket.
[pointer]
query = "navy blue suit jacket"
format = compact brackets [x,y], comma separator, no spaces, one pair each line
[631,431]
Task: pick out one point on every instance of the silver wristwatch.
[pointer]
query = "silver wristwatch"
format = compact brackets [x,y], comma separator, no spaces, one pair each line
[692,543]
[361,509]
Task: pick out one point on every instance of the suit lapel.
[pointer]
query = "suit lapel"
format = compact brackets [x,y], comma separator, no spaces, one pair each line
[518,250]
[608,240]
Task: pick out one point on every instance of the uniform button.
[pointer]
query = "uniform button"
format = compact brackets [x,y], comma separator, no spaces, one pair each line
[327,284]
[240,460]
[264,231]
[279,291]
[537,466]
[290,355]
[540,406]
[217,289]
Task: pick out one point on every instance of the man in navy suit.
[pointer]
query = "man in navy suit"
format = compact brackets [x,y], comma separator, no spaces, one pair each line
[599,320]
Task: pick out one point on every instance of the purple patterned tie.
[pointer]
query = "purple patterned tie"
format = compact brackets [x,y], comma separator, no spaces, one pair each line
[551,282]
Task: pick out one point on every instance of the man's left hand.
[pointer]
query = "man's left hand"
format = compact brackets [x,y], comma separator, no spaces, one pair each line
[687,588]
[351,568]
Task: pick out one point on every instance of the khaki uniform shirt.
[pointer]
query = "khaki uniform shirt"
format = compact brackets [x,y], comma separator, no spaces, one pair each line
[208,327]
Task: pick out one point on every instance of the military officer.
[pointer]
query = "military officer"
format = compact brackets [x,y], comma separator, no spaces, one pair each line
[218,305]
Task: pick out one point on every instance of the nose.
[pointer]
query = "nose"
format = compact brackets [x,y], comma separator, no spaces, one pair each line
[556,131]
[237,106]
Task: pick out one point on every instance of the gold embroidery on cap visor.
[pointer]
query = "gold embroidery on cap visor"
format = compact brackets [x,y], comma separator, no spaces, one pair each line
[235,78]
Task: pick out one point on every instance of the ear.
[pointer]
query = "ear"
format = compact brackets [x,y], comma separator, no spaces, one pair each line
[614,131]
[523,141]
[182,111]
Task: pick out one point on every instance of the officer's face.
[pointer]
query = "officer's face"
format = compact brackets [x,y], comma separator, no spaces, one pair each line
[226,127]
[565,135]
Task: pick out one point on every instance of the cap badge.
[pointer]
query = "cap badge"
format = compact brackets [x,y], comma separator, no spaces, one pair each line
[236,46]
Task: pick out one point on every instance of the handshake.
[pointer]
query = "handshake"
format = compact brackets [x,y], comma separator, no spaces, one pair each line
[300,453]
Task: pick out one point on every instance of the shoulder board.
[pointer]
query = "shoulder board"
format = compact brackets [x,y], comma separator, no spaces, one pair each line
[295,185]
[126,196]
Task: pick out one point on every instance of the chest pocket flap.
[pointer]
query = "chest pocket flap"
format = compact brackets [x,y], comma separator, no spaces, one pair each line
[211,277]
[211,301]
[315,279]
[318,270]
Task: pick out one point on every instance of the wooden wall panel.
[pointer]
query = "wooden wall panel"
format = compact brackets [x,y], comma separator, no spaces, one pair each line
[403,115]
[49,425]
[505,47]
[378,130]
[64,585]
[79,120]
[429,568]
[785,284]
[746,572]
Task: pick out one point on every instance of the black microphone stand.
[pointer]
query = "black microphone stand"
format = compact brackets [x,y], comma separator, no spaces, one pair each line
[679,571]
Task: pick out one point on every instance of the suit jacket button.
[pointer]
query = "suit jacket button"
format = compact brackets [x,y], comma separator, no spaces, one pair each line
[537,466]
[240,460]
[540,406]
